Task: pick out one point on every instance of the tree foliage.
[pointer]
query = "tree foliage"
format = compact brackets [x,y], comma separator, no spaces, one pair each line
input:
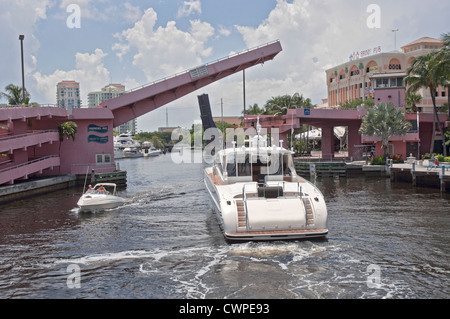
[68,130]
[384,120]
[14,94]
[279,105]
[426,72]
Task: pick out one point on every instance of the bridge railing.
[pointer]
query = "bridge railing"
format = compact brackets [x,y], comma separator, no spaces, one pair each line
[203,65]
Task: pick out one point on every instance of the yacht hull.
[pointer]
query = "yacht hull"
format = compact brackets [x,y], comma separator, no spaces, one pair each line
[257,218]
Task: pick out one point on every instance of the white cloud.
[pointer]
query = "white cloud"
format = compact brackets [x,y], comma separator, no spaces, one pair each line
[224,31]
[165,50]
[131,13]
[189,7]
[88,10]
[314,36]
[90,72]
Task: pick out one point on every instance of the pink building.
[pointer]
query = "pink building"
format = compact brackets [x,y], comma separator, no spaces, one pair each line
[369,74]
[353,80]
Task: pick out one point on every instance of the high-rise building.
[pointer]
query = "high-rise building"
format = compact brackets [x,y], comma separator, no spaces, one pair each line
[68,95]
[109,92]
[358,78]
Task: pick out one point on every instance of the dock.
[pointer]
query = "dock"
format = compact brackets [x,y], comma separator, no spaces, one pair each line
[117,177]
[419,175]
[415,172]
[41,186]
[320,168]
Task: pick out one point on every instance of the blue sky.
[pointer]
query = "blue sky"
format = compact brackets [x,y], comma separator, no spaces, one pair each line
[136,42]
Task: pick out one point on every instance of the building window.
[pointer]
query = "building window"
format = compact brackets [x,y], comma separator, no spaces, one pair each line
[103,158]
[382,83]
[395,66]
[391,149]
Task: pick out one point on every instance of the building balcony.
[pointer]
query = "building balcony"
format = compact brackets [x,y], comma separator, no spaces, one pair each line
[23,170]
[9,143]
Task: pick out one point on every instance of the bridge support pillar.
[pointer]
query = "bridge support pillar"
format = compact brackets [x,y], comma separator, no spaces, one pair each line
[354,138]
[327,141]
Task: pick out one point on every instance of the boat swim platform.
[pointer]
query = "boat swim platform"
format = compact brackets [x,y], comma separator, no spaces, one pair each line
[145,99]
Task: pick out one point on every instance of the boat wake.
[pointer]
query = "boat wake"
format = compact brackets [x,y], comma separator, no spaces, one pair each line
[302,269]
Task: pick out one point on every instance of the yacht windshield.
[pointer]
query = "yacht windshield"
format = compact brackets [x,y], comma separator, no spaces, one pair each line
[258,165]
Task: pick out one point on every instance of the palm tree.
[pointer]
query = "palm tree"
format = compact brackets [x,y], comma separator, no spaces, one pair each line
[441,69]
[14,95]
[384,120]
[280,104]
[420,75]
[67,129]
[412,100]
[253,110]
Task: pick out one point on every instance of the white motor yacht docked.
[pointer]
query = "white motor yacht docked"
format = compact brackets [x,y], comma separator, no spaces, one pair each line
[258,195]
[102,196]
[132,152]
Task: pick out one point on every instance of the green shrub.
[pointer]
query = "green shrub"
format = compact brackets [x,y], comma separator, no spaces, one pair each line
[447,159]
[378,160]
[440,157]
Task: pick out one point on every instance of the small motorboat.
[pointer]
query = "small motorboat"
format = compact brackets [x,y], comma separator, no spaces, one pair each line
[102,196]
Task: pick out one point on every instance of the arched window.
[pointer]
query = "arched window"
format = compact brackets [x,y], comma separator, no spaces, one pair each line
[394,64]
[354,70]
[372,66]
[332,78]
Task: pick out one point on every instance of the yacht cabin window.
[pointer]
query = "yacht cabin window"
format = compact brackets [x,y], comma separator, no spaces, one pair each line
[256,165]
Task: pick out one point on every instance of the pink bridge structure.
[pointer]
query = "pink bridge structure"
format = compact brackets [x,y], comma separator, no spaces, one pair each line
[30,144]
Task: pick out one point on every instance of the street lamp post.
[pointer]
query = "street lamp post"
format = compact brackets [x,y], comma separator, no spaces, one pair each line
[21,37]
[395,38]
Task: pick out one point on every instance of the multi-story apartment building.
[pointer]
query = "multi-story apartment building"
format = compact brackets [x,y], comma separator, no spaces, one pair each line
[109,92]
[356,79]
[68,95]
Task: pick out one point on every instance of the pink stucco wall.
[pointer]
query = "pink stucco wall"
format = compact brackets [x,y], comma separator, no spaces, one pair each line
[79,156]
[391,95]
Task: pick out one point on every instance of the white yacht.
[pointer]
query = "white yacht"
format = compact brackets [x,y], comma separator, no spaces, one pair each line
[132,152]
[100,198]
[125,141]
[258,195]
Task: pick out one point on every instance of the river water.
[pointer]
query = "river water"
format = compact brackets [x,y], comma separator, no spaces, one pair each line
[385,241]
